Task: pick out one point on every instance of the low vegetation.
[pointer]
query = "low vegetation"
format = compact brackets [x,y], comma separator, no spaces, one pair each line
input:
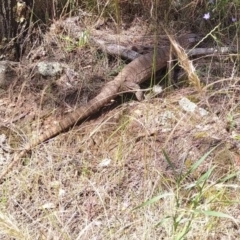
[154,169]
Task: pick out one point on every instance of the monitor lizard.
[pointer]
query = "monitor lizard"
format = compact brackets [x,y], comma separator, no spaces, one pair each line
[132,75]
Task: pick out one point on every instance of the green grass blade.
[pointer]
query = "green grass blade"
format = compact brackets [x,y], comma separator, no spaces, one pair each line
[203,158]
[214,214]
[169,162]
[153,200]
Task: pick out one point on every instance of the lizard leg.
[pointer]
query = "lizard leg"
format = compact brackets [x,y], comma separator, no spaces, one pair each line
[131,86]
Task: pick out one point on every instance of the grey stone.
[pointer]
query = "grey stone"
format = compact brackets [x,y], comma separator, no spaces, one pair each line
[49,69]
[7,73]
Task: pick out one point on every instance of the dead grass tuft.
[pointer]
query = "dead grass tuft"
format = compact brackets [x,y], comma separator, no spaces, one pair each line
[186,64]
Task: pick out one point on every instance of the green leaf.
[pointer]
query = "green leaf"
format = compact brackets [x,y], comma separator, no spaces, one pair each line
[205,176]
[169,162]
[153,200]
[228,177]
[214,214]
[196,164]
[162,221]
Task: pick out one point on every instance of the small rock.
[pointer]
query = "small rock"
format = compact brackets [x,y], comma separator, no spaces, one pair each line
[189,106]
[7,73]
[49,69]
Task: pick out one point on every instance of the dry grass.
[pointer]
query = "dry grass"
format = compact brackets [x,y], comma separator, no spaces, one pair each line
[88,182]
